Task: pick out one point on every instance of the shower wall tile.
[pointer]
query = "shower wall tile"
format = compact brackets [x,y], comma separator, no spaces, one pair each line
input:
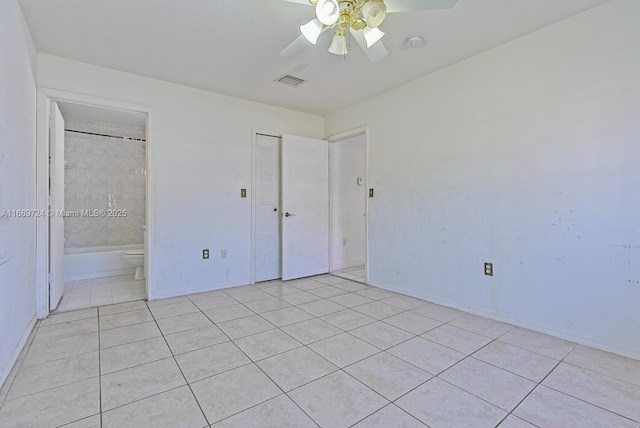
[104,173]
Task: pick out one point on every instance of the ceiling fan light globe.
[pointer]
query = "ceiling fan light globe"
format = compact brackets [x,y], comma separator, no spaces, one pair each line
[374,12]
[372,36]
[338,45]
[312,30]
[328,11]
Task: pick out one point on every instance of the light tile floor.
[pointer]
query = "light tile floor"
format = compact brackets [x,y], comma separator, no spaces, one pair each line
[101,291]
[355,273]
[321,351]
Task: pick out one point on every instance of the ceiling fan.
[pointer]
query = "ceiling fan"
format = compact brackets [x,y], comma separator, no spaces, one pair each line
[360,18]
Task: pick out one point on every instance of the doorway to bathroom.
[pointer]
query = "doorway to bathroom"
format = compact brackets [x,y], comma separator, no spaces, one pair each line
[98,203]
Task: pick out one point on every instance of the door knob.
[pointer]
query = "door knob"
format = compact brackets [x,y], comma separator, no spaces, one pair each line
[289,215]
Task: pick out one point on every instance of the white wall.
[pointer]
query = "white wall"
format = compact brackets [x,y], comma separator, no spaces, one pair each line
[348,202]
[527,156]
[17,183]
[200,149]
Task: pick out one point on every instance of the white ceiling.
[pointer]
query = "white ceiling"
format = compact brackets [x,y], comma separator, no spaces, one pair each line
[232,46]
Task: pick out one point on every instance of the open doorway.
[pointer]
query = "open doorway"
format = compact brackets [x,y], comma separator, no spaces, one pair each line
[96,195]
[348,182]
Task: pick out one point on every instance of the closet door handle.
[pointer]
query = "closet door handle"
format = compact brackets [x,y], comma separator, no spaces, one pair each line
[289,215]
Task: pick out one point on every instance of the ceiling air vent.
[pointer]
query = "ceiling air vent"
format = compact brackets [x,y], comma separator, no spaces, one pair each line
[290,80]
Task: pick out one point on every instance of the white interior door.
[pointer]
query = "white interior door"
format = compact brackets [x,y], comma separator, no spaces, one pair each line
[267,200]
[305,207]
[56,201]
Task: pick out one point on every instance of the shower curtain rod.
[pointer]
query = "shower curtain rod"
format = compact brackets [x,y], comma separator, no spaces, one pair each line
[105,135]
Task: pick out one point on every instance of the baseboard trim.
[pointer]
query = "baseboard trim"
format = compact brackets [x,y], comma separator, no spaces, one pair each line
[572,337]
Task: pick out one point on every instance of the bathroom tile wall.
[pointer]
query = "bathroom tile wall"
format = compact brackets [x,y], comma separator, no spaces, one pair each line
[104,173]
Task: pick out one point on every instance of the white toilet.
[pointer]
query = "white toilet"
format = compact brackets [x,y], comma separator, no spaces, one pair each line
[136,258]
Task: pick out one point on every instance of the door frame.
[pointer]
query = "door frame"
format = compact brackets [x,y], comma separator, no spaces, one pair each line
[43,105]
[254,201]
[332,139]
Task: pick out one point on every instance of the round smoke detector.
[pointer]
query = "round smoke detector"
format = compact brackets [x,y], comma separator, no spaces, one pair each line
[414,42]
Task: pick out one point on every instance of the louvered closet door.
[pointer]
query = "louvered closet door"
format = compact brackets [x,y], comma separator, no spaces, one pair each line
[267,208]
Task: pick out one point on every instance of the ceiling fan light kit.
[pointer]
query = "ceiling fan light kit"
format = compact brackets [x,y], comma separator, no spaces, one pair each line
[360,18]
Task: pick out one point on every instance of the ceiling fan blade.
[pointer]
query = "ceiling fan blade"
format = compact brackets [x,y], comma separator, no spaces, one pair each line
[296,46]
[299,2]
[414,5]
[375,53]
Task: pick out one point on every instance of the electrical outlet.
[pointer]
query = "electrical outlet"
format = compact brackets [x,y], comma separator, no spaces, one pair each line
[223,254]
[488,269]
[205,253]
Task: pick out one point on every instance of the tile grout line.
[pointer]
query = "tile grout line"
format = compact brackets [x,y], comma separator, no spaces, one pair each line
[179,368]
